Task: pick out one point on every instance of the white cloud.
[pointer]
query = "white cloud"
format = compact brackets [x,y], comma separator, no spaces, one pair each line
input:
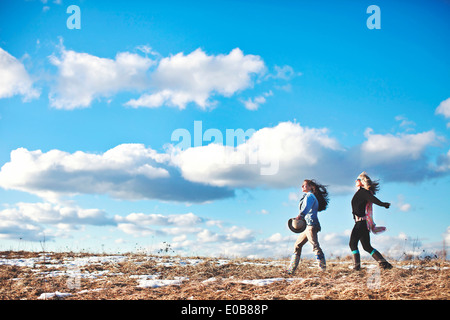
[143,219]
[187,219]
[83,77]
[53,214]
[181,79]
[294,196]
[400,157]
[136,230]
[144,225]
[239,234]
[181,226]
[34,221]
[10,229]
[276,237]
[128,171]
[444,163]
[14,79]
[257,101]
[278,245]
[379,149]
[405,122]
[285,73]
[65,172]
[444,109]
[209,236]
[180,238]
[273,157]
[27,220]
[177,80]
[402,205]
[446,236]
[280,156]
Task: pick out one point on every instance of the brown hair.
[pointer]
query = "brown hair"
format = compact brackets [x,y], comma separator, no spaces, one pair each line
[321,193]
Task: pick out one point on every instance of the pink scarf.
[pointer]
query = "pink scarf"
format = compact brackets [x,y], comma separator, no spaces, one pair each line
[370,223]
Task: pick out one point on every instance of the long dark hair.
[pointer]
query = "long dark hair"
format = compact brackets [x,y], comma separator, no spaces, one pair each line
[321,193]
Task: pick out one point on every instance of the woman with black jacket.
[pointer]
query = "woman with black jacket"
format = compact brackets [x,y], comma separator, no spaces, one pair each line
[362,198]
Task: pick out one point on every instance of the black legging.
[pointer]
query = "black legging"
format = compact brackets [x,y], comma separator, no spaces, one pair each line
[360,233]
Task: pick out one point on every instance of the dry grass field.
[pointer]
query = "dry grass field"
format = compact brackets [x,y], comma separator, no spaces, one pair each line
[72,276]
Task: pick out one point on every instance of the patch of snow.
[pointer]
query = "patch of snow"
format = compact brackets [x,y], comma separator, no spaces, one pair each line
[264,282]
[411,266]
[156,283]
[45,296]
[210,280]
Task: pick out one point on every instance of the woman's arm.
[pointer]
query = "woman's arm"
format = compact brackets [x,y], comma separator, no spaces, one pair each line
[370,197]
[306,205]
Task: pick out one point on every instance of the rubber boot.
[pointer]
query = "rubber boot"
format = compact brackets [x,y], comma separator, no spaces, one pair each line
[381,261]
[356,261]
[321,261]
[295,259]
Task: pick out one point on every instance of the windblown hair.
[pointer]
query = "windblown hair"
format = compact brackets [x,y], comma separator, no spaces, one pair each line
[321,193]
[373,186]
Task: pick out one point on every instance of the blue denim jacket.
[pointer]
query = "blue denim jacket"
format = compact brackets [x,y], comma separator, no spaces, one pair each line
[308,208]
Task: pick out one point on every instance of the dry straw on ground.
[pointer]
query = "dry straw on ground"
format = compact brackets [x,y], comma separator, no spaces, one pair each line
[212,279]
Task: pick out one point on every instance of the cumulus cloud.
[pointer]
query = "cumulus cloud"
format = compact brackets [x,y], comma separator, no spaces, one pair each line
[26,220]
[380,148]
[14,79]
[444,163]
[279,156]
[191,233]
[181,79]
[402,205]
[444,109]
[128,171]
[176,80]
[83,77]
[254,104]
[400,157]
[181,226]
[405,122]
[285,72]
[209,236]
[143,225]
[36,221]
[187,219]
[273,157]
[446,235]
[281,245]
[15,230]
[239,234]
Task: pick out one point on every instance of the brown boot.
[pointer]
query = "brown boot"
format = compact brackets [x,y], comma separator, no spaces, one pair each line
[381,261]
[356,261]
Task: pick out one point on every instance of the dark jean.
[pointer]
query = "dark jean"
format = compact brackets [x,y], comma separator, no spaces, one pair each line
[360,233]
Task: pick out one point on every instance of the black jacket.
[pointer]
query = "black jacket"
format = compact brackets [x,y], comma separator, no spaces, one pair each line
[360,199]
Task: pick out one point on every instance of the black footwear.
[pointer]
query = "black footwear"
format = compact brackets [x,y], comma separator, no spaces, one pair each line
[381,261]
[356,261]
[385,265]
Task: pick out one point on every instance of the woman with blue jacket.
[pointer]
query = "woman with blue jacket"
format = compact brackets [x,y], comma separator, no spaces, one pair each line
[315,199]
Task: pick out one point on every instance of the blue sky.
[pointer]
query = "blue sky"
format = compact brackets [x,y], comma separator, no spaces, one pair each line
[92,121]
